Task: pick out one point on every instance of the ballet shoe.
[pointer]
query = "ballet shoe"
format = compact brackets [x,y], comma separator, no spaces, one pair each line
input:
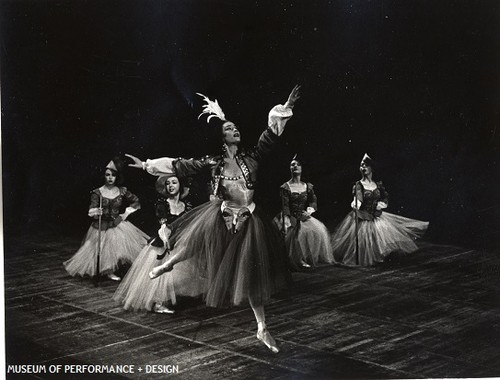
[160,309]
[265,337]
[159,270]
[113,277]
[303,264]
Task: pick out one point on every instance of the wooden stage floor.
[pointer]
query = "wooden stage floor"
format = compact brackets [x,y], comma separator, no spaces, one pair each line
[435,313]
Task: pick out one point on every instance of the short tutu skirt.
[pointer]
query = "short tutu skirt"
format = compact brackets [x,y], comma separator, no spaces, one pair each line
[138,291]
[119,245]
[376,239]
[247,264]
[308,241]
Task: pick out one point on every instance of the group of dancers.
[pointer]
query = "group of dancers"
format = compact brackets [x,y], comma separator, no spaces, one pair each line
[227,249]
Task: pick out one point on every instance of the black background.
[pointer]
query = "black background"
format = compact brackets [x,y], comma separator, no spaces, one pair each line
[413,83]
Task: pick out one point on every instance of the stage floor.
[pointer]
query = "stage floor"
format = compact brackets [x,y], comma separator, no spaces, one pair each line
[435,313]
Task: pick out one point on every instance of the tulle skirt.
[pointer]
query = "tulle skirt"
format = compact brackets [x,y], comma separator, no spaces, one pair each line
[119,245]
[138,291]
[308,241]
[376,239]
[248,264]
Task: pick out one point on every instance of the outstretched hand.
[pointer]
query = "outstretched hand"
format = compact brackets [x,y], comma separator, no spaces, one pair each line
[137,162]
[293,97]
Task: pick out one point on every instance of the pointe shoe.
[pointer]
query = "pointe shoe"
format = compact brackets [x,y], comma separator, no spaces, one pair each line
[160,309]
[113,277]
[265,337]
[159,270]
[303,264]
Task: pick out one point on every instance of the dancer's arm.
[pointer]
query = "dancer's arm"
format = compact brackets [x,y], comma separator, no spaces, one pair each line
[133,201]
[312,200]
[280,114]
[166,165]
[384,197]
[357,193]
[277,119]
[94,210]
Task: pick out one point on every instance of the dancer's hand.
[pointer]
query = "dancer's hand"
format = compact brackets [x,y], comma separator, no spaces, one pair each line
[293,97]
[137,161]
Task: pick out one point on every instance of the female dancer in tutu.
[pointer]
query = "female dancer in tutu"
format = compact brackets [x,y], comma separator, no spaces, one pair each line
[378,233]
[307,239]
[238,247]
[137,291]
[121,241]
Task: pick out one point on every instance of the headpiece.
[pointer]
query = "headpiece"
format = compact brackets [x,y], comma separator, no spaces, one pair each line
[212,108]
[111,166]
[367,160]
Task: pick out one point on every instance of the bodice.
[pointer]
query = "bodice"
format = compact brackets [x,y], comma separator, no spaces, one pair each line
[298,203]
[235,192]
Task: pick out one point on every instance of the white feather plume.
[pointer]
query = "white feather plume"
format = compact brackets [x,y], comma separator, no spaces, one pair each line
[212,108]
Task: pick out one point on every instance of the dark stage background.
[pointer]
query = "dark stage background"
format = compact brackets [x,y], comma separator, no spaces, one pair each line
[415,84]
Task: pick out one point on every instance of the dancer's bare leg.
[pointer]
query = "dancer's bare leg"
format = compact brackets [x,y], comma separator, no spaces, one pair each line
[262,332]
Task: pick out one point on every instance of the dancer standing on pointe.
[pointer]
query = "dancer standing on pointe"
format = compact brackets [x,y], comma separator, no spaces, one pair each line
[137,291]
[368,234]
[120,240]
[307,239]
[238,246]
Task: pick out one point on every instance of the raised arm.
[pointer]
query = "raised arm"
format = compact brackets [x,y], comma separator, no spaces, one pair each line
[280,114]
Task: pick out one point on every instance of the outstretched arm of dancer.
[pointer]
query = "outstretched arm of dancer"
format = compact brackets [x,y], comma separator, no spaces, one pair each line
[167,165]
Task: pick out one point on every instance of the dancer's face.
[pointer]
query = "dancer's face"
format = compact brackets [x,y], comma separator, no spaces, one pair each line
[365,169]
[109,177]
[295,167]
[172,186]
[230,133]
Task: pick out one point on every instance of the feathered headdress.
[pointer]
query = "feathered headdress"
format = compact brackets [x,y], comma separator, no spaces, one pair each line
[212,108]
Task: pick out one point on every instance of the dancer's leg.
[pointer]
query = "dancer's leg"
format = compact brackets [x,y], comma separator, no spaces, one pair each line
[167,266]
[262,332]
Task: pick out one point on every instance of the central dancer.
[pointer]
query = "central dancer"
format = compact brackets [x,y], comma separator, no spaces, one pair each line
[233,242]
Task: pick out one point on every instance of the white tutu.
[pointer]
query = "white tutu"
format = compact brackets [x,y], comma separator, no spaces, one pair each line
[376,239]
[138,291]
[308,241]
[119,245]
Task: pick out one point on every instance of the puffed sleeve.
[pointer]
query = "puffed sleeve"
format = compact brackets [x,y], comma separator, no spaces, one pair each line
[159,166]
[312,201]
[278,117]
